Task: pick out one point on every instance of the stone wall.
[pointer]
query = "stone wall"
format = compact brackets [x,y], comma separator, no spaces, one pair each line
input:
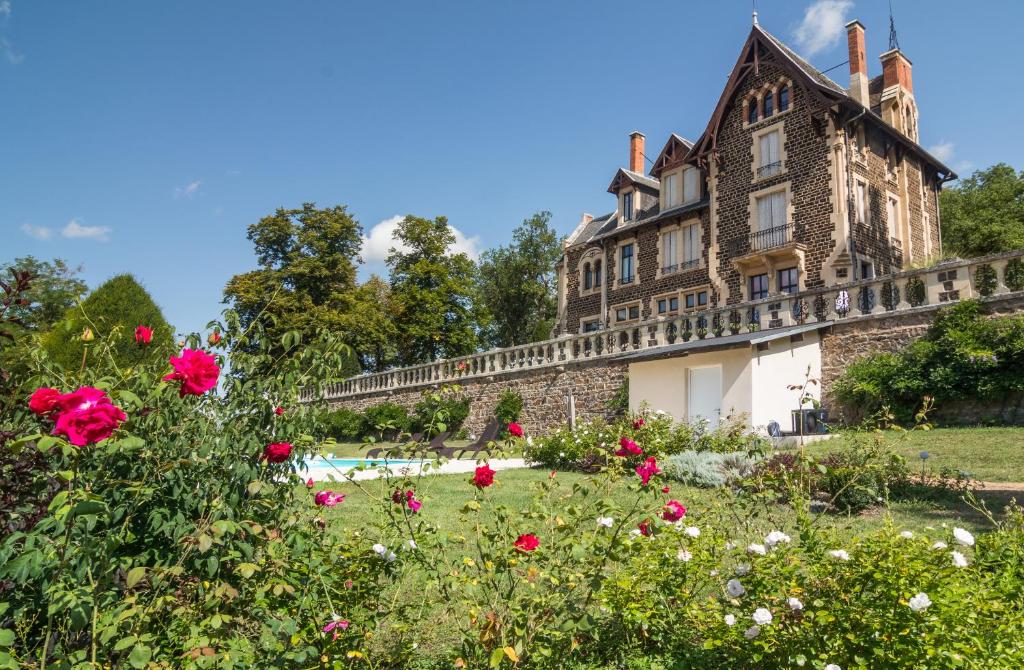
[593,385]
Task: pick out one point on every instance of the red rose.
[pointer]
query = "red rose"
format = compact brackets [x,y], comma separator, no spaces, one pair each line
[515,430]
[143,335]
[87,416]
[645,528]
[673,511]
[638,423]
[196,370]
[648,470]
[664,489]
[278,452]
[44,400]
[279,411]
[628,447]
[483,477]
[526,543]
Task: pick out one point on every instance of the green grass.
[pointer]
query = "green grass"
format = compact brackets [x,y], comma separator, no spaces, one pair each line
[989,454]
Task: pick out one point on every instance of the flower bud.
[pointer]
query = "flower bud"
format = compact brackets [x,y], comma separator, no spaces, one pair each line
[87,335]
[214,339]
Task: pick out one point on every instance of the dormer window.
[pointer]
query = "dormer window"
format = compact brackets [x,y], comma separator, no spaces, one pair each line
[769,104]
[670,189]
[784,98]
[691,184]
[627,206]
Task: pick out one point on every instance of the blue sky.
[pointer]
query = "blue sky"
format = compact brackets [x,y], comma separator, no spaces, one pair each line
[144,137]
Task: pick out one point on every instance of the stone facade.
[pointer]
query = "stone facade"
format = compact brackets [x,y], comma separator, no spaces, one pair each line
[544,392]
[830,139]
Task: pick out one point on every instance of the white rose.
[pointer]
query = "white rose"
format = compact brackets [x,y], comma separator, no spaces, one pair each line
[832,666]
[692,531]
[605,521]
[920,602]
[794,604]
[734,588]
[743,569]
[751,632]
[775,538]
[730,620]
[940,545]
[684,556]
[761,616]
[906,535]
[963,537]
[757,549]
[839,554]
[959,560]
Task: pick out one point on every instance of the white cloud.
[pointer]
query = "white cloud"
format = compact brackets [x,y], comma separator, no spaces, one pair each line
[943,151]
[5,7]
[188,190]
[822,26]
[12,57]
[75,230]
[38,232]
[377,245]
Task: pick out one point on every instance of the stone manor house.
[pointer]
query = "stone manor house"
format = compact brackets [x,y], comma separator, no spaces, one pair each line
[792,236]
[795,183]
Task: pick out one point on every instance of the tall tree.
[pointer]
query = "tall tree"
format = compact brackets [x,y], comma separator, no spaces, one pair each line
[307,272]
[373,328]
[984,214]
[55,287]
[111,313]
[433,292]
[517,283]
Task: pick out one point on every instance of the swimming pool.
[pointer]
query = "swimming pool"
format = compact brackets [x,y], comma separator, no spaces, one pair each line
[342,463]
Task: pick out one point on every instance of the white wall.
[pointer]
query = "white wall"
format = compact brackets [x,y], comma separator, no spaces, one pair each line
[782,365]
[662,383]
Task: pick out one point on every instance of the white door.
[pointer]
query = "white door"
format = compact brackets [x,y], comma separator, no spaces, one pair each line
[704,393]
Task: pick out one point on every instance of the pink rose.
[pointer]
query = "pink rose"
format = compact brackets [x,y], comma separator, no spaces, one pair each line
[648,470]
[628,448]
[87,416]
[515,430]
[526,543]
[44,400]
[278,452]
[483,477]
[328,498]
[673,511]
[196,370]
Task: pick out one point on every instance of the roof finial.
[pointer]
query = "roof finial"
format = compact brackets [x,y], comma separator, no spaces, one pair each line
[755,17]
[893,42]
[753,6]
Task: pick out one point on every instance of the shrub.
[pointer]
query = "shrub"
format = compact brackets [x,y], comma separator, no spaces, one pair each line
[442,410]
[346,425]
[618,405]
[1013,275]
[708,469]
[508,409]
[112,313]
[733,435]
[387,419]
[964,355]
[593,442]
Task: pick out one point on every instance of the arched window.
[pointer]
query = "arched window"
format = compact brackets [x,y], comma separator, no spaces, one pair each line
[597,274]
[588,277]
[769,104]
[752,110]
[784,98]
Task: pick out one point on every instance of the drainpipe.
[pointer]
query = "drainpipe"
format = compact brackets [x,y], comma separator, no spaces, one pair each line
[851,202]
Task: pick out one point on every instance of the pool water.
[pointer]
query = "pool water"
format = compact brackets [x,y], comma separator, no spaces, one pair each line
[353,462]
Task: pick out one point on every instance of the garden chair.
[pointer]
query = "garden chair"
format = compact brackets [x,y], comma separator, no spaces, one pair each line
[487,437]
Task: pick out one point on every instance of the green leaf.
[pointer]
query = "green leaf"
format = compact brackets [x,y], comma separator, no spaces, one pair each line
[134,575]
[204,542]
[140,656]
[247,570]
[6,637]
[496,656]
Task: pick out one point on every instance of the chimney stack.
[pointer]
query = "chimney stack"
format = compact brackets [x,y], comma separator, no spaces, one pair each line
[636,152]
[858,62]
[896,70]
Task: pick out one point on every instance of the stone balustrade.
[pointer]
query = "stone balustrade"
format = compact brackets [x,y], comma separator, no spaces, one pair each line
[892,294]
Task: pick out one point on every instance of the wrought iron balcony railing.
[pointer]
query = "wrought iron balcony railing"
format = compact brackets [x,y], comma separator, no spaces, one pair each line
[769,170]
[771,237]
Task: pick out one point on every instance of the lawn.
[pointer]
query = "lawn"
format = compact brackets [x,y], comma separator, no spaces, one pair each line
[988,454]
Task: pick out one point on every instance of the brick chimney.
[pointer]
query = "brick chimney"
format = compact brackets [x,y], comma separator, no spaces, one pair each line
[636,151]
[896,70]
[858,62]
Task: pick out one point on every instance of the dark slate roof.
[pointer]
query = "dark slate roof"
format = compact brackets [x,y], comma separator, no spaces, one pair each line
[724,342]
[808,69]
[652,216]
[586,232]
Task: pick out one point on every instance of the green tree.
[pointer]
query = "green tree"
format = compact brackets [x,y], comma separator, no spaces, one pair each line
[984,214]
[55,287]
[517,283]
[111,313]
[307,273]
[373,328]
[434,293]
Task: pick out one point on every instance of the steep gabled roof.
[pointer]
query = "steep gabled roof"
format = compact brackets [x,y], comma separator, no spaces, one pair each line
[763,47]
[674,150]
[623,176]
